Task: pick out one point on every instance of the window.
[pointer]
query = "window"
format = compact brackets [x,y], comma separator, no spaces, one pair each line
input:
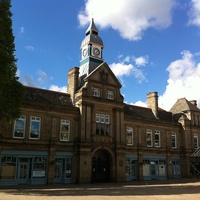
[98,118]
[157,138]
[129,136]
[110,95]
[107,119]
[149,138]
[35,128]
[173,140]
[8,167]
[39,167]
[102,124]
[96,92]
[19,127]
[196,142]
[64,130]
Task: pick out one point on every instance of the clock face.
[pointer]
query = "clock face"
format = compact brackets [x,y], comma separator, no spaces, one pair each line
[96,52]
[84,52]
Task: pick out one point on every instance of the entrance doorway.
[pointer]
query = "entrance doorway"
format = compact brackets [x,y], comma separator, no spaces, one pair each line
[23,170]
[101,167]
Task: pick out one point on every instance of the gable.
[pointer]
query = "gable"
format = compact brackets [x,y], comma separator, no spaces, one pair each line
[182,105]
[103,74]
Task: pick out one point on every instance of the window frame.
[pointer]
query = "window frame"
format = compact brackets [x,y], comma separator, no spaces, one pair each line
[173,134]
[148,131]
[129,130]
[157,133]
[102,124]
[110,95]
[65,122]
[24,128]
[35,119]
[195,136]
[96,92]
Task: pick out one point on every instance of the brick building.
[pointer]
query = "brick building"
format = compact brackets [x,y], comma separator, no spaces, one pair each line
[90,135]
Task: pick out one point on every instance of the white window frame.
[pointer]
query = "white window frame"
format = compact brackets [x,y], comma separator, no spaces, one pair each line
[149,132]
[98,117]
[107,119]
[22,119]
[196,143]
[110,95]
[173,135]
[64,135]
[96,92]
[102,124]
[129,136]
[102,118]
[33,120]
[157,143]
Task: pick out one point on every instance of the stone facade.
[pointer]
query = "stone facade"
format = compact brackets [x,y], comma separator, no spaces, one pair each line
[91,135]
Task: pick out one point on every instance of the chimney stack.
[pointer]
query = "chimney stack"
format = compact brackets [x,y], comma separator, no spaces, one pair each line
[152,102]
[73,82]
[194,102]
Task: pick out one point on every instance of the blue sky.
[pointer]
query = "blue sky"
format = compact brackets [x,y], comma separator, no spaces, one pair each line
[151,45]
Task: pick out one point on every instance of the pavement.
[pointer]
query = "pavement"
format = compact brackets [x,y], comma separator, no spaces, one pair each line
[182,189]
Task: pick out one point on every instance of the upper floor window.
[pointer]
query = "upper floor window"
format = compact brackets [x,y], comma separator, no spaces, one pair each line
[149,138]
[35,127]
[110,95]
[129,136]
[102,124]
[157,138]
[96,92]
[64,130]
[173,140]
[19,127]
[196,141]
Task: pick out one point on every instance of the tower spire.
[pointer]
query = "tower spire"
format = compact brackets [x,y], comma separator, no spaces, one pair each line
[91,49]
[92,28]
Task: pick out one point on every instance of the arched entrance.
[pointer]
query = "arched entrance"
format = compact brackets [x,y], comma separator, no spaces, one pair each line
[101,167]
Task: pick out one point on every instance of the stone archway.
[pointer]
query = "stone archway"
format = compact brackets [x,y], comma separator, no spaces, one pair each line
[101,165]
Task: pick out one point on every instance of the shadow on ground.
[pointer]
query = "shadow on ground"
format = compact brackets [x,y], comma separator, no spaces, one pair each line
[111,189]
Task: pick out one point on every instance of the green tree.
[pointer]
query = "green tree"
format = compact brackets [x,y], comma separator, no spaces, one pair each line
[11,90]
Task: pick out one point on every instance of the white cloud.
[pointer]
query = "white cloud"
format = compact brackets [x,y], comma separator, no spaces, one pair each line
[28,81]
[29,48]
[194,13]
[130,18]
[121,69]
[58,89]
[140,103]
[141,61]
[18,73]
[21,30]
[183,81]
[130,66]
[43,77]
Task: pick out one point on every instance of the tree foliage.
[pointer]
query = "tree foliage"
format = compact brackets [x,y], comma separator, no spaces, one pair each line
[11,90]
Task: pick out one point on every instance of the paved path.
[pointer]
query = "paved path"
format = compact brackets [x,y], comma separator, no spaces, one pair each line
[184,189]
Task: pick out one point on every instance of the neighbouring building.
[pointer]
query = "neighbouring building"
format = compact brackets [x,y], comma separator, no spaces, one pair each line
[91,135]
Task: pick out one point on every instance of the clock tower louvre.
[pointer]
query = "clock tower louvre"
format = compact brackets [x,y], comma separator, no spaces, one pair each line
[91,52]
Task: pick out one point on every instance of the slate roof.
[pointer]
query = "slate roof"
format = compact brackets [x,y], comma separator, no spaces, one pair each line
[183,105]
[92,35]
[37,96]
[146,113]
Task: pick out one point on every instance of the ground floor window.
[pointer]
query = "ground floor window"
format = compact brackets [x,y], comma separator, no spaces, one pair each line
[131,169]
[154,168]
[176,168]
[8,167]
[63,169]
[23,169]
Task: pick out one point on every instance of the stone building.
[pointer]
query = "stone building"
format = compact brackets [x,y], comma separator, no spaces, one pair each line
[90,135]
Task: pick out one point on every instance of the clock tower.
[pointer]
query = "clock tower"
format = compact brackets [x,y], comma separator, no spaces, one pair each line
[91,51]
